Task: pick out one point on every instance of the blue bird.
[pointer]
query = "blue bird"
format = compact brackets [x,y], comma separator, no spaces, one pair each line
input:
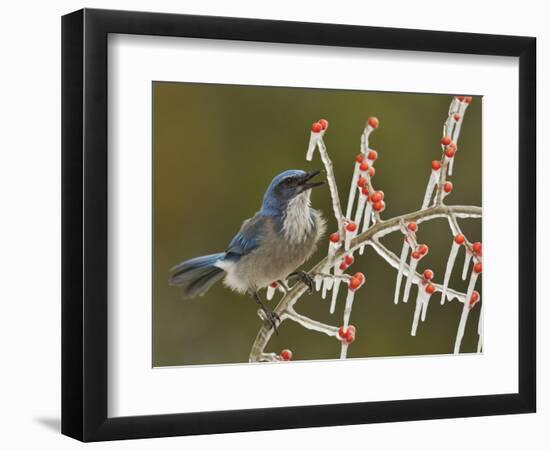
[269,247]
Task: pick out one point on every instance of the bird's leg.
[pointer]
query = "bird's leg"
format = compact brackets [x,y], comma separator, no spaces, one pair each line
[305,278]
[271,316]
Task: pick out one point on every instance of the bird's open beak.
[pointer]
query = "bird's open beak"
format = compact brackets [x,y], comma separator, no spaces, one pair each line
[308,176]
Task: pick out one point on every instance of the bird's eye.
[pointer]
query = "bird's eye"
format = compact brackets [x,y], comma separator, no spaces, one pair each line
[288,181]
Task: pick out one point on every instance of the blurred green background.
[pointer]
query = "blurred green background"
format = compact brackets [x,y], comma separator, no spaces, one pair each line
[216,148]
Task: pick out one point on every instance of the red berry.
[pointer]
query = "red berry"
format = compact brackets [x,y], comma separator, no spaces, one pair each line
[449,152]
[372,171]
[416,255]
[365,191]
[436,165]
[286,354]
[423,249]
[343,266]
[456,117]
[350,338]
[459,239]
[349,259]
[377,196]
[446,140]
[428,274]
[477,248]
[478,267]
[324,123]
[342,332]
[316,127]
[359,158]
[430,288]
[467,99]
[474,298]
[373,122]
[448,187]
[364,167]
[372,155]
[379,206]
[274,285]
[354,283]
[361,181]
[334,237]
[352,226]
[460,98]
[359,276]
[412,226]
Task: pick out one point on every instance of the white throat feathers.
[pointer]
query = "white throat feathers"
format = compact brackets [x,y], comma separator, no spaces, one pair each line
[297,219]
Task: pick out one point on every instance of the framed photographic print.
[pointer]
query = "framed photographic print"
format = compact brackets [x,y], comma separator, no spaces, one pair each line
[274,224]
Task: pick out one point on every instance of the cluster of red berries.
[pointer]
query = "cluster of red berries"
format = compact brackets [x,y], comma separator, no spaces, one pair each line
[356,281]
[286,354]
[428,275]
[475,248]
[319,126]
[347,334]
[420,251]
[346,262]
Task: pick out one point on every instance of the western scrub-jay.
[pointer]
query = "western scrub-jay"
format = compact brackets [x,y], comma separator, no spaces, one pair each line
[269,247]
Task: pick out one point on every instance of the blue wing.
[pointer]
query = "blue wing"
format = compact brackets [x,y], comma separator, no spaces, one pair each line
[248,238]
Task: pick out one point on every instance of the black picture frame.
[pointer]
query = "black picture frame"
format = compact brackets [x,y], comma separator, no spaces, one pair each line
[84,224]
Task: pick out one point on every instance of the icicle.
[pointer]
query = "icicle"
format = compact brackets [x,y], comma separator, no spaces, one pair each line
[425,304]
[353,186]
[344,350]
[467,259]
[366,222]
[480,331]
[335,288]
[449,269]
[451,164]
[318,282]
[360,208]
[412,271]
[419,300]
[465,311]
[430,188]
[316,134]
[271,290]
[333,246]
[402,260]
[351,232]
[349,304]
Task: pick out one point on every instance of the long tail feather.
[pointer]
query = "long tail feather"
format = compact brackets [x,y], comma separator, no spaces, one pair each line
[197,275]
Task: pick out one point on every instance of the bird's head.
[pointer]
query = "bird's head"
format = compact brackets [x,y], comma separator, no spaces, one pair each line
[286,186]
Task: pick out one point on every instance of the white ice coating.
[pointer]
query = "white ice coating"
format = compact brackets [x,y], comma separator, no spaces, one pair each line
[465,312]
[313,141]
[425,304]
[480,331]
[318,282]
[418,308]
[352,189]
[344,350]
[430,188]
[402,260]
[349,305]
[270,292]
[449,270]
[335,288]
[349,236]
[360,209]
[366,222]
[451,164]
[410,276]
[327,281]
[467,259]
